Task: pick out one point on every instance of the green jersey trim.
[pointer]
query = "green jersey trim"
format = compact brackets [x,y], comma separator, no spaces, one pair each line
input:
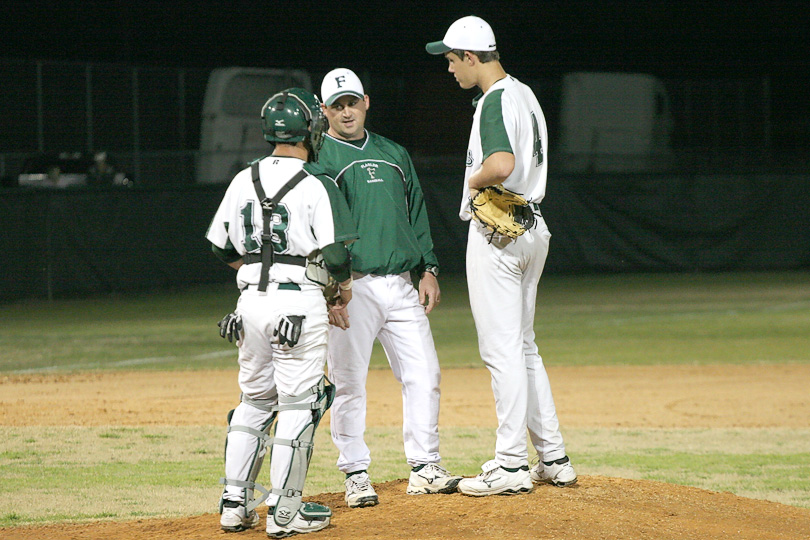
[226,255]
[338,261]
[493,131]
[345,230]
[359,144]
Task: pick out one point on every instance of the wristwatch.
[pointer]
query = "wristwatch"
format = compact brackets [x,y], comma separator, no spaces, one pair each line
[433,270]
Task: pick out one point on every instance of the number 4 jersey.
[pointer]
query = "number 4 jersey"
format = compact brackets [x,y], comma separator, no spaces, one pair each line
[508,118]
[311,216]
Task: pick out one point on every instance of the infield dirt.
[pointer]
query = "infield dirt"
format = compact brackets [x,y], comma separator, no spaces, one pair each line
[596,508]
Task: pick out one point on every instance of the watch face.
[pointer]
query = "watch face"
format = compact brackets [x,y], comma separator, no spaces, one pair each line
[433,270]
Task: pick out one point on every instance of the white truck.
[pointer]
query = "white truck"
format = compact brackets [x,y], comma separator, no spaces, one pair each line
[614,122]
[609,122]
[231,130]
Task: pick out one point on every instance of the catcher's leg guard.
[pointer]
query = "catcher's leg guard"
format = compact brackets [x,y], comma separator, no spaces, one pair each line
[249,484]
[289,501]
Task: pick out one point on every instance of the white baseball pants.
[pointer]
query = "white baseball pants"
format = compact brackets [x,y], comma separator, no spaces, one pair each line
[502,279]
[386,308]
[267,370]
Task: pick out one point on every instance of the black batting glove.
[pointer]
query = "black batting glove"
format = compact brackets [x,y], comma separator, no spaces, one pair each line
[289,329]
[230,327]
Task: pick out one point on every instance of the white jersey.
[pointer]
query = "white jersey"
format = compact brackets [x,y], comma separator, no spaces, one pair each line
[508,118]
[311,216]
[503,277]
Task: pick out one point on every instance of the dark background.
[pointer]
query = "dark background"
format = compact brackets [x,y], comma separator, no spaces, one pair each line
[537,39]
[742,206]
[653,36]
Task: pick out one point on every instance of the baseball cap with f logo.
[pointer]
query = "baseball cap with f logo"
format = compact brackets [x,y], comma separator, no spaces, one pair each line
[340,82]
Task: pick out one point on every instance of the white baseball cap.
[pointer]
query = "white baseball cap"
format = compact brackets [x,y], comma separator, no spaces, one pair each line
[340,82]
[467,34]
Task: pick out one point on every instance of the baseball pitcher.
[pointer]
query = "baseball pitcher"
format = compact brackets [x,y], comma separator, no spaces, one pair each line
[507,149]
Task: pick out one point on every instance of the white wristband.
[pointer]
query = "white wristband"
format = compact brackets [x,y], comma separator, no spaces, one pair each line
[346,287]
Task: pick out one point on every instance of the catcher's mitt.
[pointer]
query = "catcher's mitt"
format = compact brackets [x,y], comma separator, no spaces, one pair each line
[502,211]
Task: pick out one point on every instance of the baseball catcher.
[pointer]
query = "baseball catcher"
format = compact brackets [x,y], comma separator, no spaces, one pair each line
[502,211]
[284,226]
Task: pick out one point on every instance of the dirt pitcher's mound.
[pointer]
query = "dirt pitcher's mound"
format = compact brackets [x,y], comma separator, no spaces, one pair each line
[597,508]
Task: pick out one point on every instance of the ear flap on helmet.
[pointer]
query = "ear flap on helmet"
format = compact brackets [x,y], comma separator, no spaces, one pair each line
[318,127]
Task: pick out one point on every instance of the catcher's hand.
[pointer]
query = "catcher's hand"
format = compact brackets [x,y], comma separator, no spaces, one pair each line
[337,298]
[331,292]
[230,327]
[289,329]
[502,211]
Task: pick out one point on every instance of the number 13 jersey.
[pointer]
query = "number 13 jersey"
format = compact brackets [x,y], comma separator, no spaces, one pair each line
[311,216]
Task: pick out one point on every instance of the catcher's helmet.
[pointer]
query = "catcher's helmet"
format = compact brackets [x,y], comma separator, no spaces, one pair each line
[294,115]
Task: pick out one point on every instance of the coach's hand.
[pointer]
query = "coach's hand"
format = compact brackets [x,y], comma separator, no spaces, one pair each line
[429,293]
[339,316]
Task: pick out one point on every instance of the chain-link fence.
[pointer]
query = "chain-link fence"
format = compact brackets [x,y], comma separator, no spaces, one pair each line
[148,119]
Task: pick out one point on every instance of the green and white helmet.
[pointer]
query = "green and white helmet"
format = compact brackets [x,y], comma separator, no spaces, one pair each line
[294,115]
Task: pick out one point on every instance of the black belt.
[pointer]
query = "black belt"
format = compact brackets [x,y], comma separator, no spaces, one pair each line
[281,287]
[253,258]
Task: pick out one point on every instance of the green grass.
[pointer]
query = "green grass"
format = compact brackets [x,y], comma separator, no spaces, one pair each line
[82,473]
[627,319]
[153,331]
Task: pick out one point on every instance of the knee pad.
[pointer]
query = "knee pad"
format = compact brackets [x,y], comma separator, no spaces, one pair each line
[290,493]
[262,436]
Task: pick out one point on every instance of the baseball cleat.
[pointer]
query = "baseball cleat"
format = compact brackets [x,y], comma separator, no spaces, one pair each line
[431,478]
[234,518]
[497,480]
[311,517]
[359,492]
[559,473]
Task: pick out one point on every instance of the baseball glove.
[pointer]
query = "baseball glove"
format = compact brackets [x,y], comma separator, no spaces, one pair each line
[289,329]
[230,327]
[502,211]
